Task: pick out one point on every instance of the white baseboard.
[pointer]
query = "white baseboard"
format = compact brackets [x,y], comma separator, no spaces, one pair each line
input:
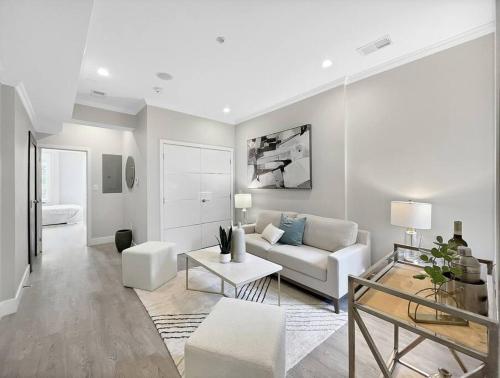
[10,306]
[102,240]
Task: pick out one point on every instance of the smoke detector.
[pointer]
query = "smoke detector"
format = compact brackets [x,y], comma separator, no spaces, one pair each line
[97,93]
[375,45]
[157,90]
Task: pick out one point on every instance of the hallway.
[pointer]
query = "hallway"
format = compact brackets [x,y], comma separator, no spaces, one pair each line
[77,319]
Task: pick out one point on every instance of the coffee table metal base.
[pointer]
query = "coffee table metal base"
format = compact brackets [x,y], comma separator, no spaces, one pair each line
[222,282]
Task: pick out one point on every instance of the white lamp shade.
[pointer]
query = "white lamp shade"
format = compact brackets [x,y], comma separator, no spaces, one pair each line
[243,201]
[411,214]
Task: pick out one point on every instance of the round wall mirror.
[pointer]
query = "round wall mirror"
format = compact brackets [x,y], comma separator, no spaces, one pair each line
[130,172]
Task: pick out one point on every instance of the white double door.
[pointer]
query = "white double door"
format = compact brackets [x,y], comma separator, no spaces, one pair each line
[197,198]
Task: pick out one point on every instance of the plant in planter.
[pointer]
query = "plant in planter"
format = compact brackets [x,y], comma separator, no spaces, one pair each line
[440,271]
[224,240]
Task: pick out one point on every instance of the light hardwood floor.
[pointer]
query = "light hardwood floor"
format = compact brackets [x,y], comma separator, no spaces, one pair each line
[77,319]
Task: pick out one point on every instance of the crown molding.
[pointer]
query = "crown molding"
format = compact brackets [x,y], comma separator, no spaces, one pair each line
[99,124]
[159,104]
[456,40]
[292,100]
[132,110]
[393,63]
[28,106]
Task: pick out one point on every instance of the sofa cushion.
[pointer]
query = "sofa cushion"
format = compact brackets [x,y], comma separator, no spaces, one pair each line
[257,245]
[304,259]
[328,233]
[272,234]
[270,216]
[293,230]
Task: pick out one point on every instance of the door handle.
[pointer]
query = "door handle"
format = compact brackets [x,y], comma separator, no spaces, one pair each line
[204,200]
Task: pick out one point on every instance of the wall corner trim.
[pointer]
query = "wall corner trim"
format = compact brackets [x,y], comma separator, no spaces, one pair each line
[10,306]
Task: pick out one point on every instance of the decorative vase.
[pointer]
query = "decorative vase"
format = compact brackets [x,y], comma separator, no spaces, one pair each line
[123,239]
[225,258]
[238,247]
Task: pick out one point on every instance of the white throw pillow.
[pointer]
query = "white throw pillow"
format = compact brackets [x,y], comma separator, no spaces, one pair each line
[272,233]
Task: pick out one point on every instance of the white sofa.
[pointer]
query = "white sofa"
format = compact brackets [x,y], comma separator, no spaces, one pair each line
[331,250]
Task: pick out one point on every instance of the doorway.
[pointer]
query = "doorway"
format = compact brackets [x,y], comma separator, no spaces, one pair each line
[64,196]
[196,186]
[33,201]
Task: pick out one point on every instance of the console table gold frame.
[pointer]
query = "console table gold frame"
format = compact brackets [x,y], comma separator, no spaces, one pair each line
[384,291]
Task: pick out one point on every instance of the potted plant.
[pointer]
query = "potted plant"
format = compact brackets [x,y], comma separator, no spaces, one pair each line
[224,240]
[440,270]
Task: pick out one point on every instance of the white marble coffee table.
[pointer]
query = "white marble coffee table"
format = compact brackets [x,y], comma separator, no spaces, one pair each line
[236,274]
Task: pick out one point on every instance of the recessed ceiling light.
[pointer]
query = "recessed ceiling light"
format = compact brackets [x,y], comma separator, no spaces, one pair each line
[226,110]
[164,76]
[103,71]
[326,63]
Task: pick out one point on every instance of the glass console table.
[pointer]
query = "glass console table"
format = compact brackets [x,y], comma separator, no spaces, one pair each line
[386,289]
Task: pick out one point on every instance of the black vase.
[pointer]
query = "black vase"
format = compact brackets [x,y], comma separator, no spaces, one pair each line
[123,239]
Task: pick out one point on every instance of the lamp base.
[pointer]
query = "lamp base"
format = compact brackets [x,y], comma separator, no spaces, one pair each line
[244,214]
[411,237]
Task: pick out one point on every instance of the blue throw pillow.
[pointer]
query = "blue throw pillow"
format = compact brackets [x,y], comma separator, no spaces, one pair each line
[294,230]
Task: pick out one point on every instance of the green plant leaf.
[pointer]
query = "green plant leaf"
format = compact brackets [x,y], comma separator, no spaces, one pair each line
[457,272]
[439,239]
[420,276]
[436,253]
[429,270]
[424,258]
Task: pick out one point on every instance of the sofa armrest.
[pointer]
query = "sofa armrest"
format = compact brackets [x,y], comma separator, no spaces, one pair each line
[354,260]
[248,228]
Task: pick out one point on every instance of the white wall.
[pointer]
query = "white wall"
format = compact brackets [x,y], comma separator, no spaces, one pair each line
[167,124]
[107,209]
[325,112]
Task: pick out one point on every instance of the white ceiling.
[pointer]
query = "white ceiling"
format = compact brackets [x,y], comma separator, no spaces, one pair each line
[41,51]
[273,50]
[272,55]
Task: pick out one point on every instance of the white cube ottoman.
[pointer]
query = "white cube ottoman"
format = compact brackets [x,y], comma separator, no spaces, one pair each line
[238,339]
[149,265]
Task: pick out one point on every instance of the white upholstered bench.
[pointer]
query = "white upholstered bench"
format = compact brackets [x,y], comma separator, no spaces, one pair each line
[238,339]
[149,265]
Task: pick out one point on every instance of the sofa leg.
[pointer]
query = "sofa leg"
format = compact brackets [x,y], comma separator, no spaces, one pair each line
[335,302]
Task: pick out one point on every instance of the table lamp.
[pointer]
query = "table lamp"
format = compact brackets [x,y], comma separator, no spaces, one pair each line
[414,216]
[243,201]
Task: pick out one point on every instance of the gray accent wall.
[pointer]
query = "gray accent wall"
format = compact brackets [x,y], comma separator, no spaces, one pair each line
[426,131]
[423,131]
[325,112]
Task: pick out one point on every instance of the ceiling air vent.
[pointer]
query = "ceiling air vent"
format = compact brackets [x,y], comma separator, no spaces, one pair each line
[97,93]
[375,45]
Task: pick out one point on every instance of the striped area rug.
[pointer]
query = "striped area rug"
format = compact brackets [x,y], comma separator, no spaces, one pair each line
[177,312]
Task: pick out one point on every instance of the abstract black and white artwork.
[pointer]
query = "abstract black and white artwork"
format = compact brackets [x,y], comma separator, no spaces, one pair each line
[281,160]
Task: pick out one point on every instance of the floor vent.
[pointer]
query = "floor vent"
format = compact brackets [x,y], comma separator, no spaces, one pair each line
[375,45]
